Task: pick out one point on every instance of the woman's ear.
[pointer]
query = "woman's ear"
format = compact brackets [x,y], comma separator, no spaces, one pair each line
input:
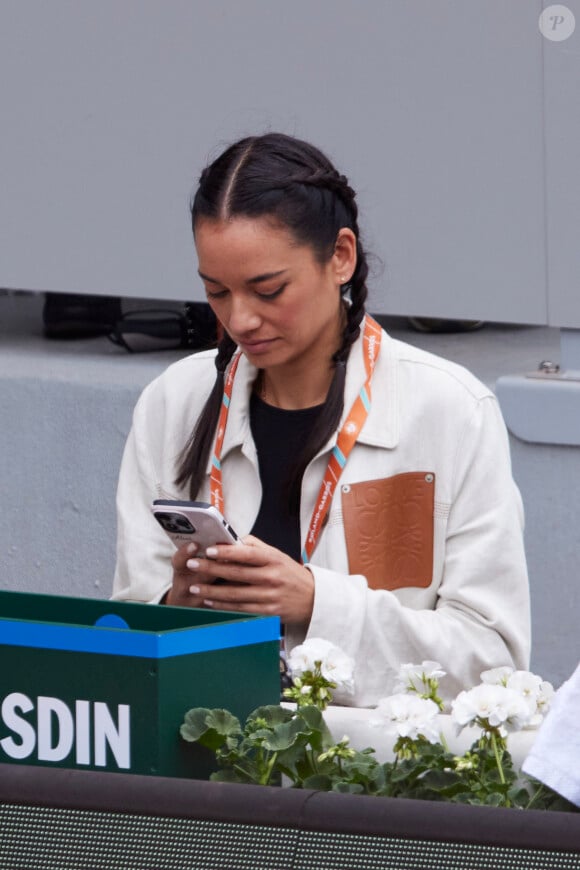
[344,257]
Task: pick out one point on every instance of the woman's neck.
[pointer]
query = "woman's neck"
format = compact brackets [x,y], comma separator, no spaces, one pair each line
[296,390]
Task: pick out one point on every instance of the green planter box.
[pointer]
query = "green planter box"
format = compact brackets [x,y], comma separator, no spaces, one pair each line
[105,685]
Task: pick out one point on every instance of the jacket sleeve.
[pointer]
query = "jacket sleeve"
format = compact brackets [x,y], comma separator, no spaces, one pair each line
[481,618]
[143,570]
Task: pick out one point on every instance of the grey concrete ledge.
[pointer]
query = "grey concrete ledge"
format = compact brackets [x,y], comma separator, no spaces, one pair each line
[541,410]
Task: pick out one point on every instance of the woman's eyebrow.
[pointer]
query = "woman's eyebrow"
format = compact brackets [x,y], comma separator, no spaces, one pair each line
[267,276]
[258,279]
[207,278]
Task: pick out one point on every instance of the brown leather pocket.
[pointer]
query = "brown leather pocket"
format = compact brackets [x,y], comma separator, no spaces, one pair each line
[388,526]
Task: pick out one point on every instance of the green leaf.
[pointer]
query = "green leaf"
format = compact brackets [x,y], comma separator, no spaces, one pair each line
[348,787]
[257,738]
[271,714]
[464,797]
[224,723]
[295,761]
[194,723]
[495,799]
[438,780]
[318,782]
[404,771]
[285,735]
[210,728]
[519,797]
[313,718]
[320,736]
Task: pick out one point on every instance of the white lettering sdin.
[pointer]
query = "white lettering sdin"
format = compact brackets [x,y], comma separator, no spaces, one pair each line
[117,737]
[10,707]
[55,729]
[91,730]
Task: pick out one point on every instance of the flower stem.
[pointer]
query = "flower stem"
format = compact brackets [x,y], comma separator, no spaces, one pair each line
[497,757]
[313,762]
[265,778]
[532,800]
[244,773]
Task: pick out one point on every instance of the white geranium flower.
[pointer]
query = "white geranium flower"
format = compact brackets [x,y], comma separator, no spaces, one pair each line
[536,692]
[527,684]
[544,698]
[517,713]
[495,705]
[303,657]
[415,678]
[335,665]
[408,716]
[497,676]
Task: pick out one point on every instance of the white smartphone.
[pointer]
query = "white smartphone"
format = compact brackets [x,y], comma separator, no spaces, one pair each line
[193,522]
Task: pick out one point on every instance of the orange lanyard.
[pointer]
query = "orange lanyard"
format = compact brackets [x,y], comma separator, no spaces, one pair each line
[345,442]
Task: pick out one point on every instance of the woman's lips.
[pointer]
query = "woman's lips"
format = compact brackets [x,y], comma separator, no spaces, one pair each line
[257,347]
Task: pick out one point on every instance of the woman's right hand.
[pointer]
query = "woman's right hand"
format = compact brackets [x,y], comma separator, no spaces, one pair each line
[183,577]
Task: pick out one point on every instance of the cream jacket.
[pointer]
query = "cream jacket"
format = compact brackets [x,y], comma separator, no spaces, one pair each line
[429,416]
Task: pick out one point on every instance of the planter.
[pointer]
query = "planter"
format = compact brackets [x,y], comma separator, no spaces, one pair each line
[104,685]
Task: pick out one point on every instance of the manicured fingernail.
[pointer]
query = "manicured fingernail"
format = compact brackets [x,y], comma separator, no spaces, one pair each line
[192,564]
[192,548]
[194,590]
[211,552]
[208,603]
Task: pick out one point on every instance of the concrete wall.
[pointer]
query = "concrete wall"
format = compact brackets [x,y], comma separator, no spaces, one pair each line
[60,444]
[65,411]
[549,480]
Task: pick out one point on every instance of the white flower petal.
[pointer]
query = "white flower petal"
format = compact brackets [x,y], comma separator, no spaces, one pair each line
[414,678]
[501,707]
[497,676]
[409,716]
[335,665]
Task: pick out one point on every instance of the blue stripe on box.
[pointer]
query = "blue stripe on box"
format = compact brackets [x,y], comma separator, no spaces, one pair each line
[140,644]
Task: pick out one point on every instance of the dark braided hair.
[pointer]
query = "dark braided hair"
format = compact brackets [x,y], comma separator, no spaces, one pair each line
[291,181]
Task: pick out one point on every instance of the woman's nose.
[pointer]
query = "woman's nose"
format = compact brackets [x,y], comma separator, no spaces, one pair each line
[243,316]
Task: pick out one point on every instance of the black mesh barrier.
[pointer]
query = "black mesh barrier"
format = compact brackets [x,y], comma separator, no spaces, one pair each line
[39,838]
[54,819]
[346,852]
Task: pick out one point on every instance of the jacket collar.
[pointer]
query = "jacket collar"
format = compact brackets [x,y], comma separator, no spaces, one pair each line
[381,428]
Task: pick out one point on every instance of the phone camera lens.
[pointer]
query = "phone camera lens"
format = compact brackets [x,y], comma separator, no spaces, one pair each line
[176,523]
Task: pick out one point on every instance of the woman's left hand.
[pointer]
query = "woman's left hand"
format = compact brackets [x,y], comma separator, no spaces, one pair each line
[261,579]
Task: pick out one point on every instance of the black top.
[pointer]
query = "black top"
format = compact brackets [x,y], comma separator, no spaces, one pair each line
[279,436]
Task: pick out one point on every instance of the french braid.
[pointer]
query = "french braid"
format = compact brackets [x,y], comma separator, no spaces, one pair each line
[193,459]
[331,414]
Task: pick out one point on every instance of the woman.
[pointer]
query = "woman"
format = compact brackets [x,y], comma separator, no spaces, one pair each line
[371,481]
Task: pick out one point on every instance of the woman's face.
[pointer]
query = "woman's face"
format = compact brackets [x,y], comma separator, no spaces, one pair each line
[273,297]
